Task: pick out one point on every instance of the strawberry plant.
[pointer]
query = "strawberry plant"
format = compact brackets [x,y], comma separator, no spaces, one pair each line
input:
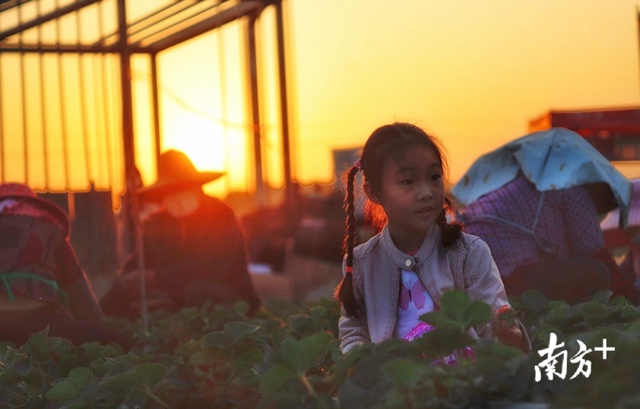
[288,356]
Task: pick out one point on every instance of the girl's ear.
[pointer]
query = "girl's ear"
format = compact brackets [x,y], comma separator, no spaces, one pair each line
[370,193]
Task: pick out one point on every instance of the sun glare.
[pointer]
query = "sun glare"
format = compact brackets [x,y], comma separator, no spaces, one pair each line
[211,147]
[202,141]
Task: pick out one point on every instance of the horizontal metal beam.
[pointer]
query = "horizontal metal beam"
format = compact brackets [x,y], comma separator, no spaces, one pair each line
[68,48]
[226,16]
[175,21]
[131,31]
[9,4]
[70,8]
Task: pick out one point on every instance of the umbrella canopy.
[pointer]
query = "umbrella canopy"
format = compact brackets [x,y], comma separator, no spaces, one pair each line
[553,159]
[612,219]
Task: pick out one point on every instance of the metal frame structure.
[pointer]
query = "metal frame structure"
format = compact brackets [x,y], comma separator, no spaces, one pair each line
[159,30]
[166,27]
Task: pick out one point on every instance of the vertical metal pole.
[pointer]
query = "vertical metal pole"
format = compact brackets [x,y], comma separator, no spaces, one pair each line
[116,141]
[126,98]
[3,154]
[83,108]
[284,109]
[63,120]
[255,108]
[2,150]
[108,134]
[43,111]
[223,105]
[23,90]
[129,152]
[97,105]
[156,104]
[638,26]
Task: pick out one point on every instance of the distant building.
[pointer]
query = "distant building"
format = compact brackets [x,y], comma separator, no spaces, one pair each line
[614,132]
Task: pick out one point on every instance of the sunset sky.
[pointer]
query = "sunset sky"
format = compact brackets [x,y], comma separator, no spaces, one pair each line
[472,73]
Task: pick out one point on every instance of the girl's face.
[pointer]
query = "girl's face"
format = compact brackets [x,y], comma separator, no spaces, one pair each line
[412,196]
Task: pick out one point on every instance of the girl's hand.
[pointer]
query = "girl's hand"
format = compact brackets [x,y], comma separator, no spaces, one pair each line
[506,330]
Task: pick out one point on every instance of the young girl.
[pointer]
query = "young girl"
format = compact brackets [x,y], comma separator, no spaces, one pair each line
[401,273]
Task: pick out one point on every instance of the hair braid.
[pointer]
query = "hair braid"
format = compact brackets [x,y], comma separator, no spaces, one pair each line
[450,232]
[344,293]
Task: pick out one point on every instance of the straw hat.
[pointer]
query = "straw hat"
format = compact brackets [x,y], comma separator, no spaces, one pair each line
[22,191]
[175,172]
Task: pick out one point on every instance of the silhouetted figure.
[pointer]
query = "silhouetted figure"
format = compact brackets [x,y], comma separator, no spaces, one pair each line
[549,241]
[537,202]
[194,249]
[42,281]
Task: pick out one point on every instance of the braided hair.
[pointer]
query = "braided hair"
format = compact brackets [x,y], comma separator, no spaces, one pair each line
[386,142]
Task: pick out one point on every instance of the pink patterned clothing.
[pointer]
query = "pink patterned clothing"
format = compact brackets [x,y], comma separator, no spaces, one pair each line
[35,247]
[27,207]
[523,226]
[414,301]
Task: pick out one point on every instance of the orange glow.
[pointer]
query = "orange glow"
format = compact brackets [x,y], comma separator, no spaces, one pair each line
[473,73]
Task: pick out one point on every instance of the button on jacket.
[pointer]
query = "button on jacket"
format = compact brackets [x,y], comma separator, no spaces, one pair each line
[465,265]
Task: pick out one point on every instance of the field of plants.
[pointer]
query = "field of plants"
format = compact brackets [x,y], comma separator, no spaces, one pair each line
[289,357]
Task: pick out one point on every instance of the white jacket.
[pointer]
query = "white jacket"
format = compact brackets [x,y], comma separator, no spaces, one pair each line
[465,265]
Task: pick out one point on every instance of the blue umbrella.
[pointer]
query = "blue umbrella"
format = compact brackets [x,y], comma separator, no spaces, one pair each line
[553,159]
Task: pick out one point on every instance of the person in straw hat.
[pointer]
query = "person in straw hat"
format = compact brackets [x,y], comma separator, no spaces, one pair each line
[194,249]
[42,283]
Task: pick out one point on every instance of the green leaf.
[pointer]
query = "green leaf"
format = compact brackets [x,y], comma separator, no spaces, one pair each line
[404,372]
[63,391]
[602,296]
[151,373]
[203,358]
[216,339]
[454,304]
[274,379]
[23,367]
[123,381]
[56,345]
[634,329]
[430,318]
[318,311]
[304,354]
[443,341]
[534,301]
[314,348]
[477,313]
[36,340]
[251,357]
[192,346]
[238,330]
[77,403]
[241,306]
[292,352]
[461,312]
[81,376]
[94,351]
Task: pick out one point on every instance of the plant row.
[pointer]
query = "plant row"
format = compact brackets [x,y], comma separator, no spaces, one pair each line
[288,357]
